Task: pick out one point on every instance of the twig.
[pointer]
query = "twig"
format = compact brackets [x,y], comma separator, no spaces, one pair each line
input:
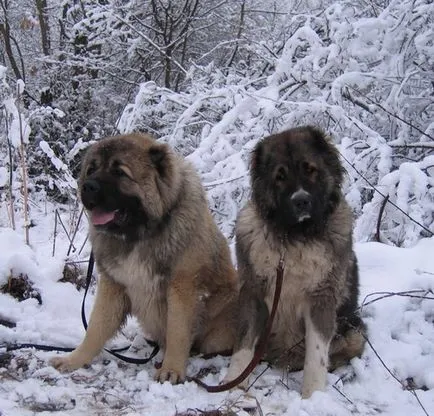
[259,376]
[224,181]
[55,234]
[77,261]
[264,11]
[380,216]
[413,145]
[7,323]
[384,196]
[259,408]
[66,231]
[84,243]
[240,29]
[418,271]
[346,94]
[75,231]
[392,114]
[412,390]
[342,394]
[297,87]
[385,295]
[152,43]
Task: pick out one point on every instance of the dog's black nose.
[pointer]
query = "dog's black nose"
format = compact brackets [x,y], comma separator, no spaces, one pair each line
[90,187]
[90,193]
[301,201]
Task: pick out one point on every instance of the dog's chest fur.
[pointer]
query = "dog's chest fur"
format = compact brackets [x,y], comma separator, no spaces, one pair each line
[307,269]
[145,289]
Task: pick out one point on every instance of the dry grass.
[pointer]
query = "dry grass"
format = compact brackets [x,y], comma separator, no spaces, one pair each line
[73,274]
[198,412]
[21,288]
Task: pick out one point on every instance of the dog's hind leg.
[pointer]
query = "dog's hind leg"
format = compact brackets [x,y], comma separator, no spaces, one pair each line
[220,335]
[108,313]
[351,330]
[253,317]
[349,341]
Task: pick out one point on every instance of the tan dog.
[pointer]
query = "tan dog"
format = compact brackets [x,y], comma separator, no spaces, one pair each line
[297,210]
[159,254]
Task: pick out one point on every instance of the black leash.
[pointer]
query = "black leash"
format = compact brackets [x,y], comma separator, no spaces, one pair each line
[114,352]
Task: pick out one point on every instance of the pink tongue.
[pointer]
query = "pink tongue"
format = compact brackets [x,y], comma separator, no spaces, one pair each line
[100,217]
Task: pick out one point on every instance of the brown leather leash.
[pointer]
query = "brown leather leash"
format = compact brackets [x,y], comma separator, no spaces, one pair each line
[260,349]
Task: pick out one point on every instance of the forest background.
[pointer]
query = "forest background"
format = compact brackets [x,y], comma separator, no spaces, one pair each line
[211,78]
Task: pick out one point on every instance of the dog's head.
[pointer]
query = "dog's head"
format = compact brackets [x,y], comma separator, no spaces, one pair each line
[296,179]
[128,182]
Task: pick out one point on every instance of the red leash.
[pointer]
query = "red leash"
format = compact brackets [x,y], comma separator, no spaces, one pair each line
[262,344]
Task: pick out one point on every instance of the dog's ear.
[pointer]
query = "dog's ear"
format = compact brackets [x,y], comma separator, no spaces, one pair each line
[329,152]
[257,156]
[319,139]
[84,161]
[160,158]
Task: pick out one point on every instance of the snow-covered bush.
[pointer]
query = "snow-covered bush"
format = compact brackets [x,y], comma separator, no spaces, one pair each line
[52,154]
[361,72]
[236,72]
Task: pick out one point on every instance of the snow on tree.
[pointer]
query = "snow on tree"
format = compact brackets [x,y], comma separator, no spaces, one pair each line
[359,73]
[213,78]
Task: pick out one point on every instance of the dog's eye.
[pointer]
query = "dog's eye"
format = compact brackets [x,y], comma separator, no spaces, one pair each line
[120,173]
[309,169]
[280,175]
[91,169]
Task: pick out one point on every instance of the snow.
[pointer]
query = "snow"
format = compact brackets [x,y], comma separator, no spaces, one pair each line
[3,71]
[20,87]
[360,74]
[59,165]
[400,329]
[3,176]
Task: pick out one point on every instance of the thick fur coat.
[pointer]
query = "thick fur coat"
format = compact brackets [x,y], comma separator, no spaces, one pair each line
[159,254]
[297,212]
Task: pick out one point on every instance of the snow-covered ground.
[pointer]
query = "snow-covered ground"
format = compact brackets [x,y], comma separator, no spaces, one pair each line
[401,330]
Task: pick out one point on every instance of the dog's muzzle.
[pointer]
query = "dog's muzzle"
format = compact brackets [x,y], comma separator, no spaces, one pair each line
[93,200]
[301,202]
[90,193]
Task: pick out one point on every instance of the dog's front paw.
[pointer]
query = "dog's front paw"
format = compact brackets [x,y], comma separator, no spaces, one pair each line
[308,388]
[67,363]
[168,374]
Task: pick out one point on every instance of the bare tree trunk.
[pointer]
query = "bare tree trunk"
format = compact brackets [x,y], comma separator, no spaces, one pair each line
[240,31]
[5,32]
[167,70]
[173,22]
[41,7]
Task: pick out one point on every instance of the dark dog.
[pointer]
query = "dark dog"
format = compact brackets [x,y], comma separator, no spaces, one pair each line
[159,253]
[298,211]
